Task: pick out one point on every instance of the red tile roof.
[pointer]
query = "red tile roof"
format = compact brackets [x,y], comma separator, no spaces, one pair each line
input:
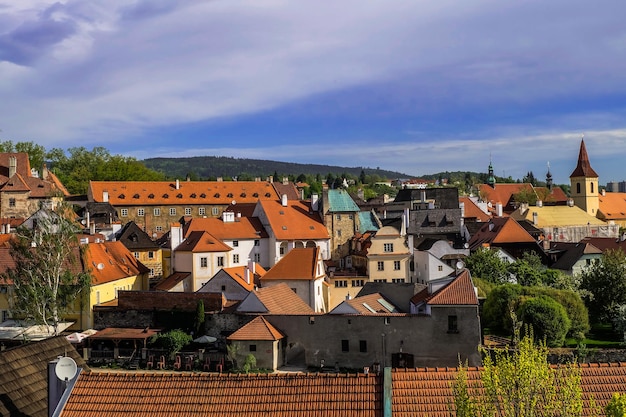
[190,395]
[257,329]
[613,206]
[199,241]
[132,193]
[110,261]
[23,179]
[294,221]
[171,281]
[503,193]
[500,230]
[298,264]
[280,299]
[238,274]
[242,228]
[458,292]
[472,211]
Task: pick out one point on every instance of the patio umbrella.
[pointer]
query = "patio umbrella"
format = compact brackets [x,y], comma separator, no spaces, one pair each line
[205,339]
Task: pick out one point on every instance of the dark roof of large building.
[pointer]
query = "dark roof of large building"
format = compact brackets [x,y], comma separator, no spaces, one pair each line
[160,300]
[134,238]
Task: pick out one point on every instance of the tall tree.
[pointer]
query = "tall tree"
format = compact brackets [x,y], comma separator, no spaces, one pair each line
[47,277]
[605,282]
[485,263]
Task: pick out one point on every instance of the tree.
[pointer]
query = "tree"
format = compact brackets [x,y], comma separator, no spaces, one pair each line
[47,277]
[548,317]
[616,406]
[485,263]
[521,383]
[172,341]
[606,283]
[250,363]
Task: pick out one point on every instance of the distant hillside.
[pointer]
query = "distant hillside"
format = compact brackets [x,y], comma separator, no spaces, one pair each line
[207,167]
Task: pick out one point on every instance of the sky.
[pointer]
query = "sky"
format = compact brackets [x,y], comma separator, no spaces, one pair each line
[412,86]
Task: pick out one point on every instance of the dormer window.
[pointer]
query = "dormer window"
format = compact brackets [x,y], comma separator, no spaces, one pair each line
[150,195]
[193,195]
[166,195]
[230,195]
[202,195]
[136,196]
[179,195]
[255,195]
[121,196]
[216,195]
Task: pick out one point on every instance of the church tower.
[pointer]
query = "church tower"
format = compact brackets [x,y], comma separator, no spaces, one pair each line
[584,183]
[491,179]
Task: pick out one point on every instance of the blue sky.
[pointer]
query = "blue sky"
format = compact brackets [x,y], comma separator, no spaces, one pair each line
[412,86]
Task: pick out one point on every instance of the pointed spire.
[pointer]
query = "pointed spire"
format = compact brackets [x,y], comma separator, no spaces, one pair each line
[549,178]
[583,169]
[491,180]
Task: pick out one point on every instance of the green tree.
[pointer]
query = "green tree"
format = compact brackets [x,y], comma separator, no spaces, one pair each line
[616,406]
[548,317]
[485,263]
[521,383]
[36,153]
[45,280]
[172,341]
[605,282]
[250,363]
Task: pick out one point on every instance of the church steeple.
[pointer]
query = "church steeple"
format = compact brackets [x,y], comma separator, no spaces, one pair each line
[549,178]
[584,183]
[491,179]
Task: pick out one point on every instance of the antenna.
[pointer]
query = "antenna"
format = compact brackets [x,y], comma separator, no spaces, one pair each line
[65,369]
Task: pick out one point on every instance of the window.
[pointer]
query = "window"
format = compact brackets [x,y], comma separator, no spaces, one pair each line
[453,324]
[398,280]
[257,257]
[396,265]
[440,268]
[338,216]
[577,188]
[157,211]
[124,212]
[351,216]
[201,211]
[387,320]
[252,348]
[5,315]
[141,212]
[357,282]
[136,255]
[341,283]
[3,289]
[282,250]
[380,280]
[150,255]
[311,320]
[345,345]
[220,261]
[591,186]
[172,211]
[187,211]
[295,290]
[257,242]
[215,211]
[381,265]
[388,247]
[151,272]
[203,262]
[223,288]
[235,258]
[11,202]
[362,345]
[159,228]
[235,243]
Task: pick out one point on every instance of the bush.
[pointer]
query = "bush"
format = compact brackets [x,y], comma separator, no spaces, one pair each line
[498,305]
[547,317]
[172,341]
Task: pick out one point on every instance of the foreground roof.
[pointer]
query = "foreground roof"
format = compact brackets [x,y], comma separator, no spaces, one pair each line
[257,329]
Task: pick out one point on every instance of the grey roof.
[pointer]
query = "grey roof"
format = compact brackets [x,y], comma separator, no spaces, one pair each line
[133,237]
[340,201]
[444,198]
[572,253]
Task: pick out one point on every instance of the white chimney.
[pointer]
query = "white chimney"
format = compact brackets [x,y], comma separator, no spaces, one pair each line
[603,192]
[105,196]
[535,218]
[499,209]
[539,203]
[285,180]
[178,184]
[12,166]
[462,207]
[315,202]
[283,200]
[251,266]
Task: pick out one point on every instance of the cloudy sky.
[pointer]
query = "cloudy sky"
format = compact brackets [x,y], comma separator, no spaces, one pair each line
[413,86]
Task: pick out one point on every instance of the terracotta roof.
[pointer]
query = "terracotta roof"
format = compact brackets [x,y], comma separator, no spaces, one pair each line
[503,193]
[277,299]
[133,193]
[606,243]
[238,274]
[294,221]
[23,179]
[171,281]
[15,183]
[500,230]
[553,195]
[426,392]
[24,376]
[188,394]
[199,241]
[257,329]
[241,228]
[613,205]
[472,211]
[458,292]
[375,303]
[160,300]
[287,188]
[110,261]
[112,333]
[298,264]
[583,168]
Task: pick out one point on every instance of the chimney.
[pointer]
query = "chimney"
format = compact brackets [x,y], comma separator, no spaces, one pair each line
[220,179]
[535,218]
[283,200]
[92,228]
[499,209]
[251,266]
[462,207]
[603,192]
[177,184]
[44,172]
[285,180]
[270,178]
[12,166]
[105,196]
[315,202]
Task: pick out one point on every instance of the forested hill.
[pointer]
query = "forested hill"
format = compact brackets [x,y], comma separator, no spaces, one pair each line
[207,167]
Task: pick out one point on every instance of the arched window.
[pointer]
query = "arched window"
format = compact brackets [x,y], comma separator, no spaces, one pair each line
[592,187]
[577,188]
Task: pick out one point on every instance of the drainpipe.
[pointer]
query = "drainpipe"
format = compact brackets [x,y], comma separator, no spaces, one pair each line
[387,394]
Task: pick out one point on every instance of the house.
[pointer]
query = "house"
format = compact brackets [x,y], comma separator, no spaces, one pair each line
[24,385]
[292,224]
[612,208]
[276,299]
[507,234]
[235,282]
[202,255]
[341,217]
[386,256]
[99,218]
[260,339]
[22,190]
[434,259]
[154,205]
[302,269]
[113,268]
[246,236]
[573,258]
[147,251]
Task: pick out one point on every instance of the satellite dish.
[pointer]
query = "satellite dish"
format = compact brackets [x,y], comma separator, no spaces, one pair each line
[101,266]
[65,369]
[233,202]
[460,265]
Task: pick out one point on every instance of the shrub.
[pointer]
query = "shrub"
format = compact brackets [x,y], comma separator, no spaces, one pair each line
[547,317]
